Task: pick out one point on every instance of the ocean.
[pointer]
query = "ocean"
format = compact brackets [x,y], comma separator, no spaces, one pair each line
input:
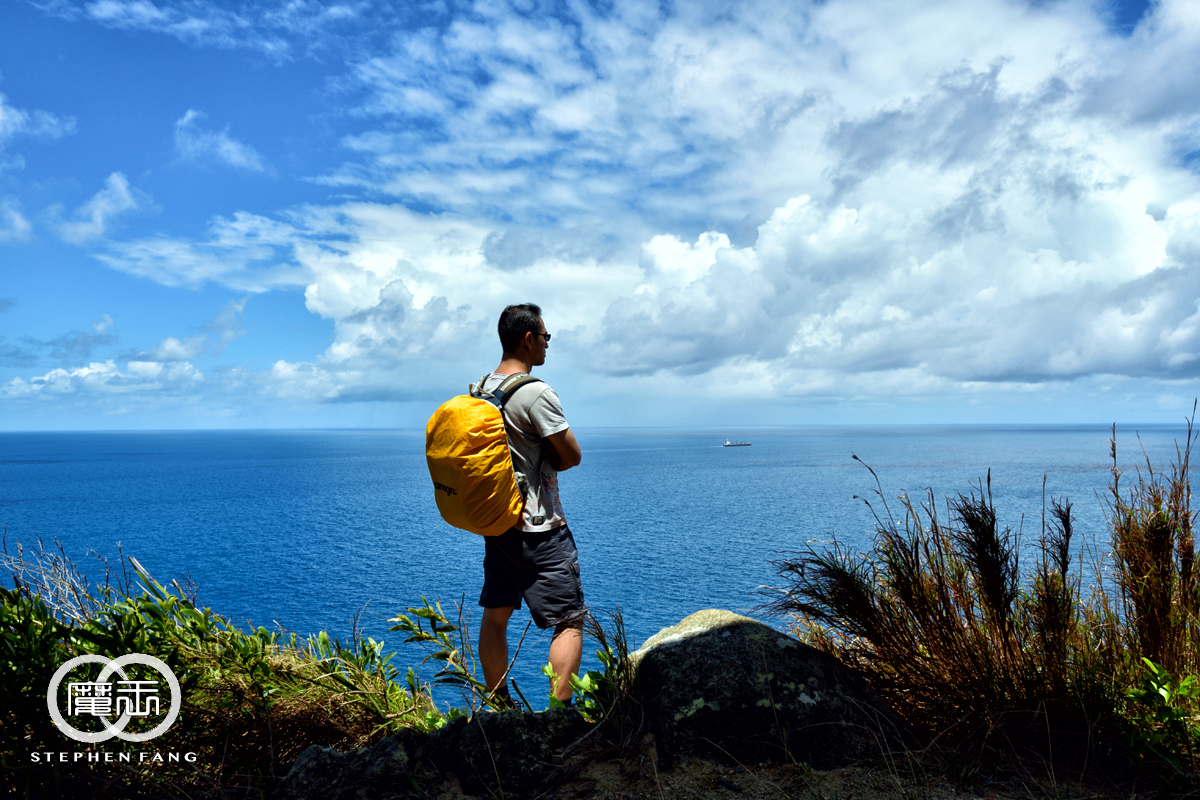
[305,530]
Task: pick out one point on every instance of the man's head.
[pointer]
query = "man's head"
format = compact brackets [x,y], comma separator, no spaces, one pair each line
[521,327]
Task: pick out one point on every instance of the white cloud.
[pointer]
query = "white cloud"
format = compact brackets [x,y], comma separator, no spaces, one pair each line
[954,195]
[91,220]
[195,23]
[277,31]
[870,197]
[18,122]
[13,224]
[194,143]
[14,123]
[841,293]
[172,349]
[105,378]
[247,253]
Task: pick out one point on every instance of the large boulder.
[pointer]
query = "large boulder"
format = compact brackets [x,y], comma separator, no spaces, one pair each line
[510,754]
[724,686]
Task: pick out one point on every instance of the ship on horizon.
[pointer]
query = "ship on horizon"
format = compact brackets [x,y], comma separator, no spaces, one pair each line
[735,444]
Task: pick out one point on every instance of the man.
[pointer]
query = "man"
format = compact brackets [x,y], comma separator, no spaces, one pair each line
[536,559]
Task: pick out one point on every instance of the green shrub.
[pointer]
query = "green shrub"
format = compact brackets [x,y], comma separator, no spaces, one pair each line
[252,699]
[1168,726]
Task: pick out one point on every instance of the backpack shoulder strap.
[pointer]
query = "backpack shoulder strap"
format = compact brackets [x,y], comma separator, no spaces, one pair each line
[498,397]
[501,394]
[508,387]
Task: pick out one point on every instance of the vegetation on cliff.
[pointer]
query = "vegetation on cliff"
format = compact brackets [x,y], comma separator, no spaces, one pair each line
[1003,656]
[1077,680]
[253,699]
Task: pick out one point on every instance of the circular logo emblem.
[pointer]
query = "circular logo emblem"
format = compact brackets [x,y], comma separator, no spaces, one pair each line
[103,697]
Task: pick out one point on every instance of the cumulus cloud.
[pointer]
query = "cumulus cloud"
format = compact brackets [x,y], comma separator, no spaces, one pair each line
[373,342]
[194,143]
[939,197]
[860,197]
[830,291]
[92,219]
[105,378]
[165,369]
[172,349]
[400,287]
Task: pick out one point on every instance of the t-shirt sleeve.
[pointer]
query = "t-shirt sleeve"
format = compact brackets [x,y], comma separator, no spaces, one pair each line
[546,414]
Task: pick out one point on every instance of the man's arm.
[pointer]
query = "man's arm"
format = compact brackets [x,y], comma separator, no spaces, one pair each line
[565,451]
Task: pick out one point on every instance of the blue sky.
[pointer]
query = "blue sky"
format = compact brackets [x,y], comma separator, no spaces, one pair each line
[298,214]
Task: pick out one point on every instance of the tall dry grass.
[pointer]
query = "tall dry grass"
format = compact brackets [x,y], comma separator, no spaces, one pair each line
[1154,560]
[974,646]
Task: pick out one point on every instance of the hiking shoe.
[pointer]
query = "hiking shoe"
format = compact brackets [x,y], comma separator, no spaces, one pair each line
[503,701]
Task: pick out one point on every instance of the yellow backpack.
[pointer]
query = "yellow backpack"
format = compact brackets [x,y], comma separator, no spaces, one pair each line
[466,446]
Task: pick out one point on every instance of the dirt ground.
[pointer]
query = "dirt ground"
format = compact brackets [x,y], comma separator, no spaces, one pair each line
[707,780]
[639,777]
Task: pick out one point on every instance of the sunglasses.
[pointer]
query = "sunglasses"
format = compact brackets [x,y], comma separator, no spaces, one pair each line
[545,336]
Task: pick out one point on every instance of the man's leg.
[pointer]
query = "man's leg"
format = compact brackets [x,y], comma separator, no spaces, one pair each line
[493,645]
[566,653]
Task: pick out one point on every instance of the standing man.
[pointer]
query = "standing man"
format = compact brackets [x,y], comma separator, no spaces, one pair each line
[536,559]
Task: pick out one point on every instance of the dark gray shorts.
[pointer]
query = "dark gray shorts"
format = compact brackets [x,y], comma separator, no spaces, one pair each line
[542,568]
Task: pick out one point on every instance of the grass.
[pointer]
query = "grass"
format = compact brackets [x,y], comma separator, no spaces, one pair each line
[253,698]
[1018,664]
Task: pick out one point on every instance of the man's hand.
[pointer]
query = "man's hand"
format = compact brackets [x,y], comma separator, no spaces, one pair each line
[564,451]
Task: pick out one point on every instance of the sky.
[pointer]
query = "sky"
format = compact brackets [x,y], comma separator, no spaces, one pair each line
[296,214]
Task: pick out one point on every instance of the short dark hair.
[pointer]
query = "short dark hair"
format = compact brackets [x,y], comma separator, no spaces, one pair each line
[515,322]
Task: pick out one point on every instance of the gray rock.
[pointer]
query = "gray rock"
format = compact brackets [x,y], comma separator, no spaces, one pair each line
[716,685]
[724,686]
[511,754]
[385,769]
[515,751]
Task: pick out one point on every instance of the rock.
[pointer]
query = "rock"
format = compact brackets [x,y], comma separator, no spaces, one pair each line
[511,754]
[724,686]
[717,685]
[384,769]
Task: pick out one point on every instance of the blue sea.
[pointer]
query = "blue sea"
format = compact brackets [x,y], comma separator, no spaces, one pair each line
[303,530]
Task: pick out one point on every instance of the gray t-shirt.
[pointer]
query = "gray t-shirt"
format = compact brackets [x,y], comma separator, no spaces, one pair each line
[532,413]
